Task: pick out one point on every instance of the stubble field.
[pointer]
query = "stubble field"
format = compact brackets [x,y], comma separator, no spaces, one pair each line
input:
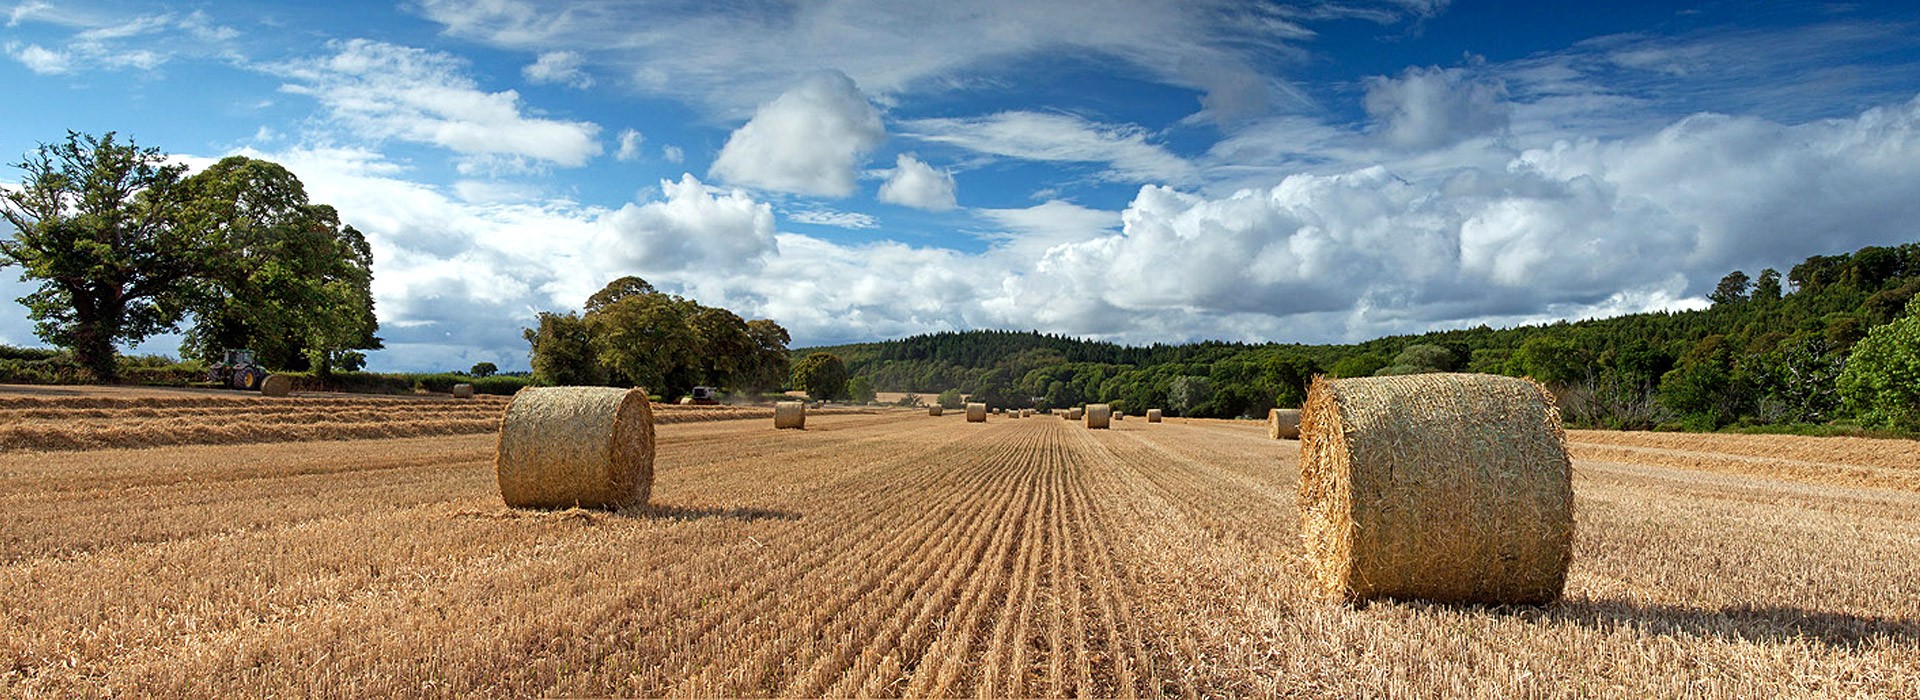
[890,553]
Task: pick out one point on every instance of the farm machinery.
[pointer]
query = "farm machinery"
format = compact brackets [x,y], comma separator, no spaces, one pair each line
[238,370]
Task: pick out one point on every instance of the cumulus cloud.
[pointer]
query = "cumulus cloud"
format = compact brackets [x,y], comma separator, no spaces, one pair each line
[807,141]
[560,67]
[695,228]
[1123,148]
[829,217]
[384,91]
[673,154]
[1431,107]
[39,59]
[630,141]
[916,184]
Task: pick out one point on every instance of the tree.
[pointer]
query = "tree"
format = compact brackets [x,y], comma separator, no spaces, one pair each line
[725,349]
[282,276]
[1422,359]
[1361,365]
[822,375]
[950,399]
[1731,290]
[483,369]
[1881,383]
[94,221]
[1767,287]
[768,368]
[563,352]
[1551,359]
[1186,393]
[646,340]
[860,389]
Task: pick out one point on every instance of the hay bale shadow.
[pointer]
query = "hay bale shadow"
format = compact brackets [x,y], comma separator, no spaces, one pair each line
[661,511]
[1738,623]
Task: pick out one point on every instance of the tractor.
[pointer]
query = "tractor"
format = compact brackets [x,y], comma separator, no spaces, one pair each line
[702,396]
[238,370]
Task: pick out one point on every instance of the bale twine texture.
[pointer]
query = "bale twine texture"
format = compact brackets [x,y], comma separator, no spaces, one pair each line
[976,413]
[276,385]
[462,391]
[1452,488]
[935,410]
[1099,416]
[1283,423]
[1153,415]
[575,446]
[790,414]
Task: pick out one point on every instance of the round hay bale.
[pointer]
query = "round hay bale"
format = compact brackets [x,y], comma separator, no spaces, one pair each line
[1099,416]
[576,446]
[1444,487]
[462,391]
[1117,415]
[976,413]
[1026,413]
[276,385]
[1153,415]
[1283,423]
[790,414]
[1076,413]
[935,410]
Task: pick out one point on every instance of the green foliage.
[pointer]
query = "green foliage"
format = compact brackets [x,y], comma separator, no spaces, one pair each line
[1882,377]
[860,390]
[95,223]
[1361,365]
[1187,393]
[950,399]
[563,352]
[281,276]
[1422,358]
[483,369]
[635,335]
[822,375]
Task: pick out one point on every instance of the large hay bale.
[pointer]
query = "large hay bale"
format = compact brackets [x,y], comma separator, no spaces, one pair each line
[790,414]
[1283,423]
[1076,413]
[462,391]
[976,413]
[935,410]
[576,446]
[1442,487]
[1099,416]
[1153,415]
[276,385]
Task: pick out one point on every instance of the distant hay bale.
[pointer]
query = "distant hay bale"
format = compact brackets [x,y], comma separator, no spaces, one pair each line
[1099,416]
[1153,415]
[1026,413]
[1076,413]
[1117,415]
[790,414]
[463,391]
[574,446]
[935,410]
[1283,423]
[1442,487]
[276,385]
[976,413]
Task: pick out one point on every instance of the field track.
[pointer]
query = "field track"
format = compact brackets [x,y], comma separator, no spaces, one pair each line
[896,554]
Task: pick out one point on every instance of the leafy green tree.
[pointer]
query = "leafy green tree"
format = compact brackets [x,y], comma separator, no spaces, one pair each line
[1732,289]
[1187,393]
[822,375]
[1767,286]
[1552,360]
[950,399]
[94,221]
[1361,365]
[767,368]
[646,340]
[996,389]
[1422,358]
[484,369]
[1881,382]
[726,351]
[282,276]
[860,389]
[563,352]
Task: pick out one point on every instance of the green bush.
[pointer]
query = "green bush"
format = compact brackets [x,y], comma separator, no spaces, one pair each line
[1881,383]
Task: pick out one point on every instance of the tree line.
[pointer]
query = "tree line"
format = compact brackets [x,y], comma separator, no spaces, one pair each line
[1834,339]
[632,334]
[126,245]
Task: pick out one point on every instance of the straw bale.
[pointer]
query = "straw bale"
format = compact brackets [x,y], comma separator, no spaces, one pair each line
[1099,416]
[276,385]
[1026,413]
[976,413]
[935,410]
[566,447]
[1445,487]
[790,414]
[463,391]
[1283,423]
[1153,415]
[1076,413]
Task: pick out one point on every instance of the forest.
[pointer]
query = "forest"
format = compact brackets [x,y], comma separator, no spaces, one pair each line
[1833,341]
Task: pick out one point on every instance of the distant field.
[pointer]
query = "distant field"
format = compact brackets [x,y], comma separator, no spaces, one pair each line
[890,553]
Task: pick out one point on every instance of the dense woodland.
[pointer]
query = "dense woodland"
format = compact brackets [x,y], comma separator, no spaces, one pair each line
[1770,350]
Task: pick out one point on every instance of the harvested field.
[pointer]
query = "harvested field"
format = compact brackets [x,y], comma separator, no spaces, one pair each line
[893,553]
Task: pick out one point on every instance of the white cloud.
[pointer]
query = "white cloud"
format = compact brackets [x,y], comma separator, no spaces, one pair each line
[385,91]
[807,141]
[696,228]
[630,141]
[561,67]
[673,154]
[1431,107]
[39,59]
[829,217]
[1123,148]
[915,184]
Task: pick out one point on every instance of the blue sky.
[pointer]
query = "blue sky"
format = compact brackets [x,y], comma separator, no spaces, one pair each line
[1123,170]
